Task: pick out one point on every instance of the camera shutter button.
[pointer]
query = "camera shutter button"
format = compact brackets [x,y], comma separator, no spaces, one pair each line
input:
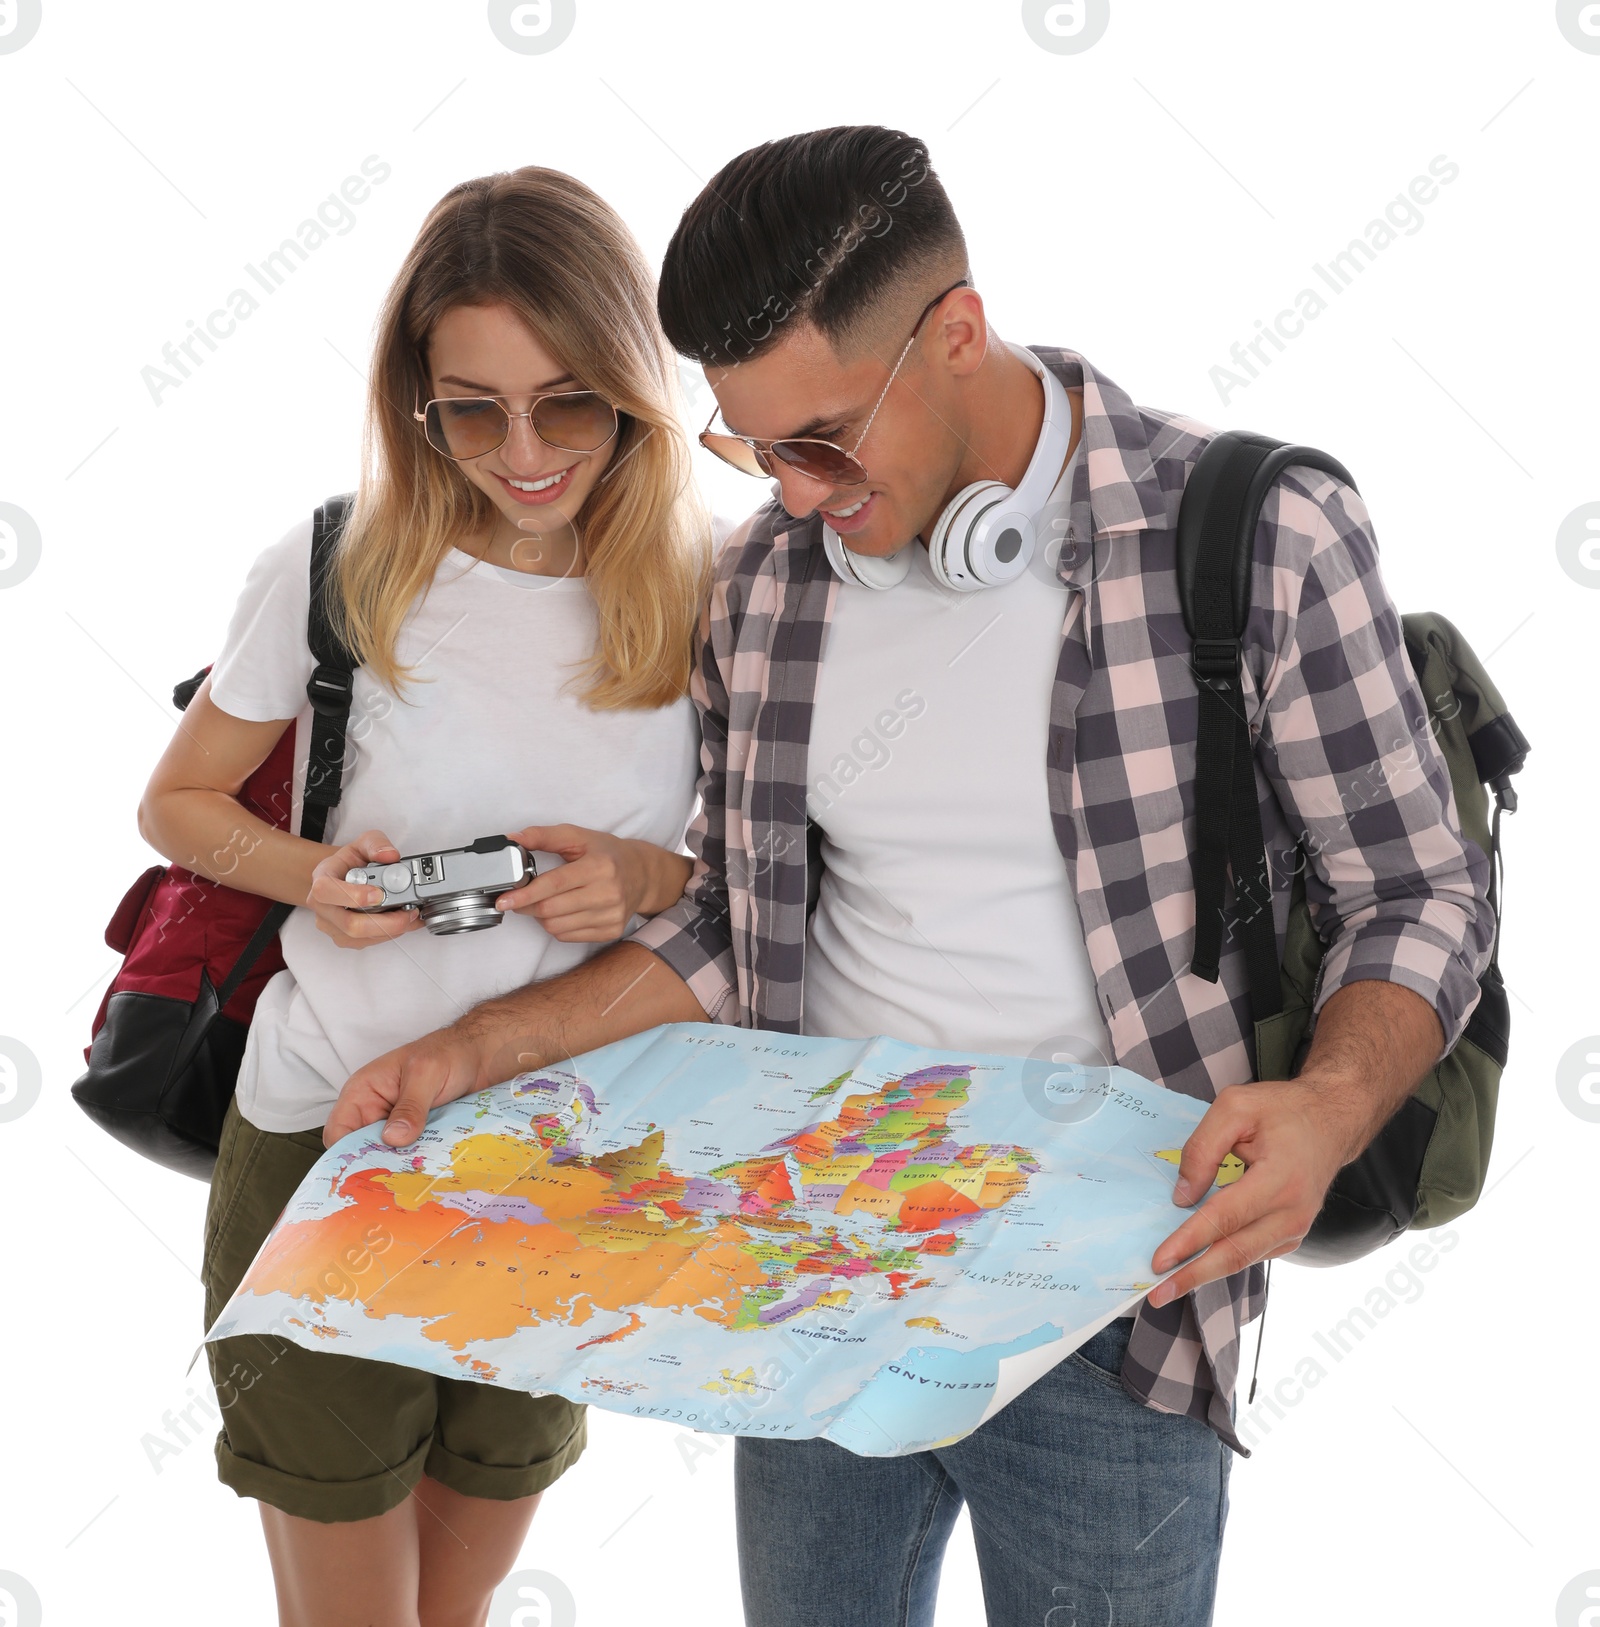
[394,878]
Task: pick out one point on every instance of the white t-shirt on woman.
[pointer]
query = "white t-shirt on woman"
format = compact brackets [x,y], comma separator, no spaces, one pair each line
[487,739]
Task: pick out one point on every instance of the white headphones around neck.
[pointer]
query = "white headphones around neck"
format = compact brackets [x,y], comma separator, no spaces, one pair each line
[984,538]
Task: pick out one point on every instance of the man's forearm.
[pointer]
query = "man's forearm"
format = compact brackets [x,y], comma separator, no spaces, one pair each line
[1374,1040]
[621,991]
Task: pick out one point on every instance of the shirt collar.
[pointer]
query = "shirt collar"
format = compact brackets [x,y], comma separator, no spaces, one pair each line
[1116,488]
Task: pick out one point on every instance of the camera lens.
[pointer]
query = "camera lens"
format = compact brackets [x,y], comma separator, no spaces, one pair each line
[464,912]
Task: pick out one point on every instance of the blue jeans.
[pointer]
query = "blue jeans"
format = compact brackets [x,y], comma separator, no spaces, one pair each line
[1088,1509]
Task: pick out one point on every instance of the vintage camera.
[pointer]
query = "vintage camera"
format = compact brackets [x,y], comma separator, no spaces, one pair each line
[454,890]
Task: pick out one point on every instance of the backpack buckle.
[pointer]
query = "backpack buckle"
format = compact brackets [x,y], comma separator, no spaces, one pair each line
[329,690]
[1215,658]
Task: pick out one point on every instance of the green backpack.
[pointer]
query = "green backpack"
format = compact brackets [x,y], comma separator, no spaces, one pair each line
[1427,1164]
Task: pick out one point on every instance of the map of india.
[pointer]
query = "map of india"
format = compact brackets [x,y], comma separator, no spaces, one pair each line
[742,1232]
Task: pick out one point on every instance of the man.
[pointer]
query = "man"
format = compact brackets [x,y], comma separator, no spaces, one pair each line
[962,814]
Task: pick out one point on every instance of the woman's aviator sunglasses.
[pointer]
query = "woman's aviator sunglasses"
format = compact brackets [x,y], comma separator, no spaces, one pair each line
[467,426]
[817,460]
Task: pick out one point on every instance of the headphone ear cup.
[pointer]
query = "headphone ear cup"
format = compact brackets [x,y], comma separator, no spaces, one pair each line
[985,537]
[865,570]
[952,532]
[1000,543]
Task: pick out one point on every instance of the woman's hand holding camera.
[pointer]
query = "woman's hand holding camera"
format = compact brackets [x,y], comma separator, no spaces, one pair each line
[336,902]
[605,881]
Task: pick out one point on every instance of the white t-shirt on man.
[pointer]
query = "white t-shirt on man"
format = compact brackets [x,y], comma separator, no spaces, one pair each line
[946,916]
[488,739]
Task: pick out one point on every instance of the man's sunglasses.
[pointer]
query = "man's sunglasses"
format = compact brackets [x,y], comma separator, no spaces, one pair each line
[817,460]
[467,426]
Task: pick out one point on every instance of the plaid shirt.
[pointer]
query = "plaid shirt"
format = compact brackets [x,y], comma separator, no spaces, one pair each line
[1344,763]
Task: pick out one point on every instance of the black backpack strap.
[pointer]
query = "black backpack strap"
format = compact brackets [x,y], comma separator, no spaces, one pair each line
[329,692]
[330,686]
[1216,549]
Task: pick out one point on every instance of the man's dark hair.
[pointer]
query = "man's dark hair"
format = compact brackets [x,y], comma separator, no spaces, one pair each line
[820,226]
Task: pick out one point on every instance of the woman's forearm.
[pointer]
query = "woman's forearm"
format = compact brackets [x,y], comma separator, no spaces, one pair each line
[667,875]
[214,835]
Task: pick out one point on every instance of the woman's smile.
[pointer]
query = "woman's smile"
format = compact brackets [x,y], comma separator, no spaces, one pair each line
[539,489]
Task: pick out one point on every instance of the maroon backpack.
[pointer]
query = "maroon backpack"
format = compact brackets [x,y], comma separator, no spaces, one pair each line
[170,1033]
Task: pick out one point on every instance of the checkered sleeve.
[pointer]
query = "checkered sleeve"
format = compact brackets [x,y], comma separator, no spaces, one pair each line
[1396,890]
[693,936]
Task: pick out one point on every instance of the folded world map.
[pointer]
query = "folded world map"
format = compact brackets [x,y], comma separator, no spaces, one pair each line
[742,1232]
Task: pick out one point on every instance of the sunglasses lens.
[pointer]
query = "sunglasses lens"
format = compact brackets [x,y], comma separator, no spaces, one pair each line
[732,450]
[466,427]
[579,421]
[820,460]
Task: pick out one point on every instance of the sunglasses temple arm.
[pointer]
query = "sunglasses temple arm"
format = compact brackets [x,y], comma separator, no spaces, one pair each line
[893,375]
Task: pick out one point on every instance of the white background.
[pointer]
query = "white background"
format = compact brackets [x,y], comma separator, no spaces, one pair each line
[1146,202]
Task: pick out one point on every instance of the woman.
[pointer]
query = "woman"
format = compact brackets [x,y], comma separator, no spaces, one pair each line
[519,581]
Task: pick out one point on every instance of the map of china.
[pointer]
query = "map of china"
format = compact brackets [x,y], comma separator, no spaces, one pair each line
[525,1227]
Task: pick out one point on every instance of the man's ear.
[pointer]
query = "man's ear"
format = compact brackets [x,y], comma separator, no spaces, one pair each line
[962,339]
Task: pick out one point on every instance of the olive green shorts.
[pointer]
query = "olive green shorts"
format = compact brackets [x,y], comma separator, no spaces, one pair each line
[331,1437]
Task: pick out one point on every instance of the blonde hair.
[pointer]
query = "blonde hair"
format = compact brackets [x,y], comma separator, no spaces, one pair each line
[547,247]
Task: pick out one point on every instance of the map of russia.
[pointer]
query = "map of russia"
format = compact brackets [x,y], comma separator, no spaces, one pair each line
[742,1231]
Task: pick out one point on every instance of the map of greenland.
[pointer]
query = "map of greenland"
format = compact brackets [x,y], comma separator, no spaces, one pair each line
[742,1232]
